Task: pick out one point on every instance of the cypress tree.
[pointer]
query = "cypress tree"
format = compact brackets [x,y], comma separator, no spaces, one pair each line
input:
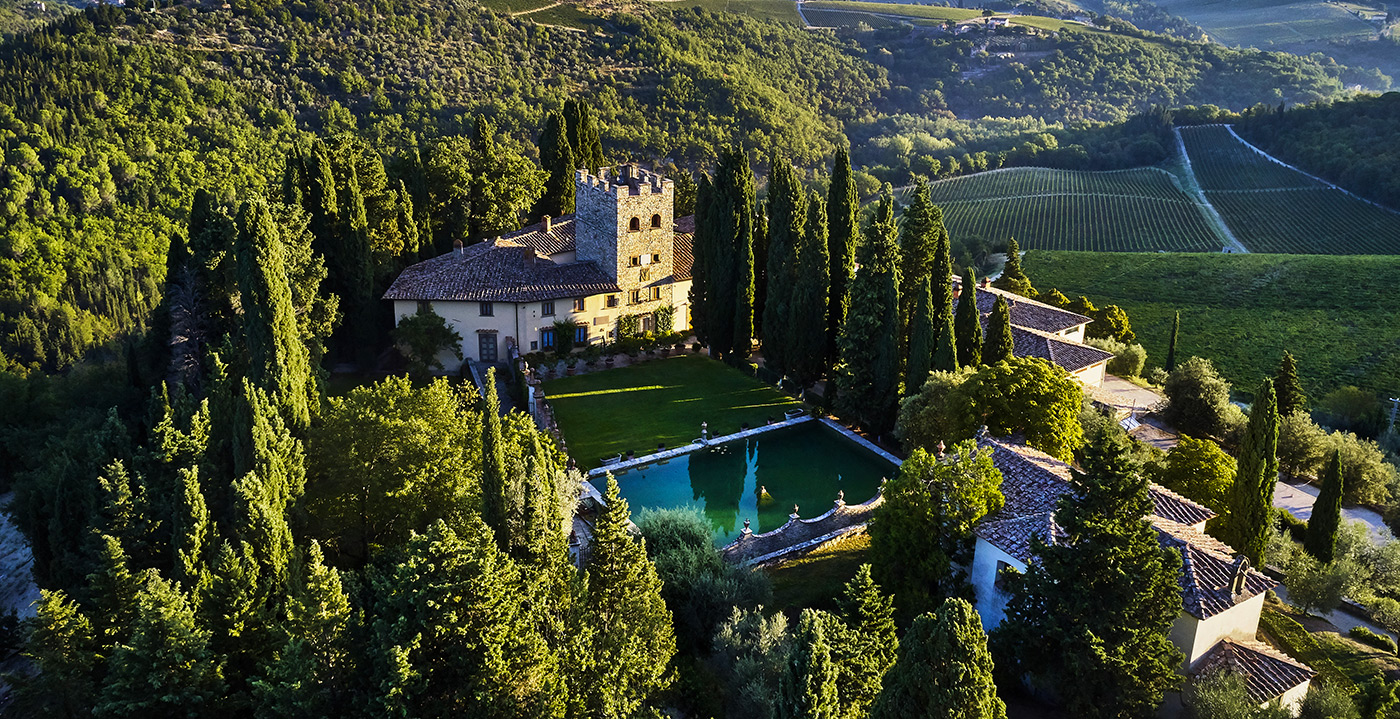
[585,140]
[810,301]
[1171,346]
[497,500]
[999,344]
[1251,502]
[1090,616]
[945,353]
[192,536]
[1291,398]
[1013,278]
[633,640]
[320,199]
[842,210]
[350,261]
[557,158]
[870,645]
[944,669]
[919,239]
[731,262]
[1321,537]
[760,267]
[968,323]
[808,687]
[277,359]
[483,163]
[787,218]
[941,272]
[923,338]
[702,251]
[113,591]
[870,372]
[414,248]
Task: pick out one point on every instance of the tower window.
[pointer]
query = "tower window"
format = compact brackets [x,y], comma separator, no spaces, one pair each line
[635,224]
[656,220]
[634,261]
[656,258]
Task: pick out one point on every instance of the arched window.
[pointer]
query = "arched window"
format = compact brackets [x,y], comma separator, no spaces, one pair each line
[656,220]
[635,225]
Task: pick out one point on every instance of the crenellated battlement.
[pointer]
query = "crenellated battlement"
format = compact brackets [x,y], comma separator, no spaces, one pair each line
[631,182]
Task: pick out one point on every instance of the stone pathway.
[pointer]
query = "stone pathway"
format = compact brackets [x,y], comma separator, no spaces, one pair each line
[1299,498]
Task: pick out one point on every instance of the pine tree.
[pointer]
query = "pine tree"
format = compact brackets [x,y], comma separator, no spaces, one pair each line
[945,354]
[1248,517]
[842,209]
[192,536]
[919,239]
[944,669]
[113,591]
[999,344]
[1171,346]
[557,158]
[968,323]
[232,607]
[787,219]
[63,649]
[870,645]
[810,302]
[303,678]
[869,373]
[808,687]
[1013,278]
[923,336]
[1089,619]
[498,500]
[277,359]
[1291,397]
[633,640]
[1321,537]
[167,669]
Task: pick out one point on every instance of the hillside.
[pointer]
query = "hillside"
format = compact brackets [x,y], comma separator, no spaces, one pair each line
[1335,314]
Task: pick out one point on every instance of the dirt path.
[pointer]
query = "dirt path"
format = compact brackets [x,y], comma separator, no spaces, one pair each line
[1232,244]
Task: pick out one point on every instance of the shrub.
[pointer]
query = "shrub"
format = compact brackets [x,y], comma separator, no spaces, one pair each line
[1128,360]
[1379,641]
[1328,701]
[422,336]
[1385,612]
[1198,398]
[1296,528]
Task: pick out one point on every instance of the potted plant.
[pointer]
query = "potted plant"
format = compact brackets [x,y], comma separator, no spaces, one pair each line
[571,365]
[695,347]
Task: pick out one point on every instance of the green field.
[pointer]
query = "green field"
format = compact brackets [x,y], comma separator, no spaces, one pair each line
[634,408]
[512,7]
[1337,315]
[1271,207]
[1270,24]
[1129,210]
[780,10]
[852,9]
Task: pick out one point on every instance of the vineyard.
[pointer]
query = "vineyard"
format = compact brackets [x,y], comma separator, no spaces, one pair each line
[1140,210]
[1271,207]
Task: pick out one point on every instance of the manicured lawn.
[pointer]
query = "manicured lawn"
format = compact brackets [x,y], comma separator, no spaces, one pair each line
[816,580]
[635,408]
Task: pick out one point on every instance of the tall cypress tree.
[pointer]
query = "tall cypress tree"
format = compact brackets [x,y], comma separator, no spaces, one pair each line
[968,323]
[320,198]
[557,158]
[869,646]
[278,361]
[760,267]
[999,343]
[497,499]
[1291,398]
[807,335]
[944,669]
[919,239]
[1246,523]
[808,689]
[1171,346]
[787,218]
[702,283]
[633,640]
[193,536]
[585,139]
[731,267]
[483,162]
[941,272]
[1321,537]
[842,209]
[945,352]
[1013,278]
[923,338]
[869,374]
[1089,619]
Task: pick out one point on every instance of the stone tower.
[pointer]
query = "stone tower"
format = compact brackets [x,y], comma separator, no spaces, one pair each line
[626,224]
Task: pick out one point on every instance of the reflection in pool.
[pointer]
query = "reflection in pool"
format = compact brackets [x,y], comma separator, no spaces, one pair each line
[804,465]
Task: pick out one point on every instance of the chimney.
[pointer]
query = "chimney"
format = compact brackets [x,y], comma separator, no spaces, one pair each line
[457,247]
[1237,582]
[627,173]
[548,224]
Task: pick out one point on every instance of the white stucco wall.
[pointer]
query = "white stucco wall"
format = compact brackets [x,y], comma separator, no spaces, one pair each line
[991,601]
[1292,699]
[466,319]
[1194,637]
[1075,334]
[1092,375]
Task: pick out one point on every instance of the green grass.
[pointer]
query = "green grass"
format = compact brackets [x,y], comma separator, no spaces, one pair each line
[816,579]
[1129,211]
[1296,642]
[514,6]
[927,12]
[1336,658]
[1271,24]
[565,16]
[634,408]
[779,10]
[1335,314]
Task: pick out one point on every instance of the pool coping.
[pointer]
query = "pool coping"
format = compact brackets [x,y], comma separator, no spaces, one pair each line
[696,446]
[896,461]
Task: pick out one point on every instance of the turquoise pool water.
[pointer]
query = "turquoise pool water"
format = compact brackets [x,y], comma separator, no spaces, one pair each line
[804,465]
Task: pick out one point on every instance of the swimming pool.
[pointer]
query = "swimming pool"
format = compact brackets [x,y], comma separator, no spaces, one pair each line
[806,465]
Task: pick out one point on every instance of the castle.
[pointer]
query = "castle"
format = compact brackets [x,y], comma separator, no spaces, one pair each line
[622,252]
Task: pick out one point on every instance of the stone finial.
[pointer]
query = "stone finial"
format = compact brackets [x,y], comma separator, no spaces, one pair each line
[746,531]
[941,448]
[983,432]
[794,512]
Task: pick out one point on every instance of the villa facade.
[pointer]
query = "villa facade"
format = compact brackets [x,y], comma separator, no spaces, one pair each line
[622,252]
[1222,596]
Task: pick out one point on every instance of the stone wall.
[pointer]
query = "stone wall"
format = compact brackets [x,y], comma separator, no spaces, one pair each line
[605,209]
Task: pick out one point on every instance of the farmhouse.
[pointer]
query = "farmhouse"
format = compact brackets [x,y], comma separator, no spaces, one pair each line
[622,252]
[1045,331]
[1222,596]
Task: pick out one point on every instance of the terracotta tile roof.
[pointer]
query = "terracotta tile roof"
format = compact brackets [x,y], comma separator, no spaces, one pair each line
[683,251]
[1070,355]
[1026,312]
[1033,482]
[1267,673]
[1208,569]
[559,238]
[498,271]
